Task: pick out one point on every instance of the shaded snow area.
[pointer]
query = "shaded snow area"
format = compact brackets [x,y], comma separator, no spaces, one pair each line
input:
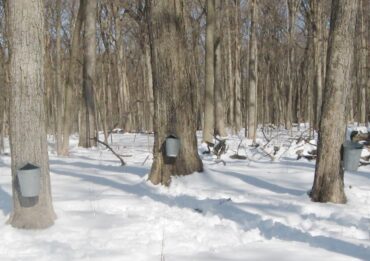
[252,209]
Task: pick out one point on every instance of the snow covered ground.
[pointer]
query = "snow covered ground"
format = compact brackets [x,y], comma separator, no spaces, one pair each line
[254,209]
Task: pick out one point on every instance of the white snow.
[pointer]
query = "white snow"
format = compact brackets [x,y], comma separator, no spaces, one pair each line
[254,209]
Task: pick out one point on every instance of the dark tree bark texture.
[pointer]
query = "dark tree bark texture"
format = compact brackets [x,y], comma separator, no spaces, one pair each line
[328,184]
[174,101]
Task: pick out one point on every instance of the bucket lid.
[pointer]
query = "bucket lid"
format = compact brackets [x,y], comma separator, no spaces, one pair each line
[172,136]
[29,166]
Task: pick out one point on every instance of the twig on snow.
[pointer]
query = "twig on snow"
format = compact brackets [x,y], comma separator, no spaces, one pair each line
[123,163]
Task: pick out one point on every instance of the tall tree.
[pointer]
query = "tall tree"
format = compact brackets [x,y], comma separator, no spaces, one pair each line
[328,183]
[71,80]
[208,129]
[252,92]
[230,75]
[27,124]
[292,10]
[125,116]
[88,75]
[58,79]
[317,28]
[174,101]
[220,128]
[238,73]
[362,64]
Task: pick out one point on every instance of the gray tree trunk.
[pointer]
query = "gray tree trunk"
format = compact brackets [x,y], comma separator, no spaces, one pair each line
[68,116]
[220,127]
[362,66]
[174,98]
[328,184]
[59,91]
[124,99]
[149,93]
[230,75]
[252,97]
[238,75]
[3,100]
[292,8]
[27,123]
[208,129]
[317,27]
[88,77]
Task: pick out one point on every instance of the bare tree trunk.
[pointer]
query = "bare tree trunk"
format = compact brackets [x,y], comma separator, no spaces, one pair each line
[196,72]
[59,92]
[3,99]
[316,16]
[328,184]
[362,66]
[366,7]
[292,7]
[208,129]
[252,97]
[174,112]
[237,82]
[220,128]
[230,75]
[28,129]
[68,116]
[149,93]
[88,78]
[124,97]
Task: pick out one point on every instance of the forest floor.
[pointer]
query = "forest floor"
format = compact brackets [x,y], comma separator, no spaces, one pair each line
[252,209]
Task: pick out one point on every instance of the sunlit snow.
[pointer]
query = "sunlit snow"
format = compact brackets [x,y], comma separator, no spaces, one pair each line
[254,209]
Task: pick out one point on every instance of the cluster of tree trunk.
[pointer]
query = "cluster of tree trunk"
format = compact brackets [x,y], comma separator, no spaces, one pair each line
[172,67]
[230,43]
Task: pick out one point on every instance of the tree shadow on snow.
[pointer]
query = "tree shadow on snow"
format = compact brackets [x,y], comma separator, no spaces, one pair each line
[264,184]
[224,208]
[139,171]
[298,164]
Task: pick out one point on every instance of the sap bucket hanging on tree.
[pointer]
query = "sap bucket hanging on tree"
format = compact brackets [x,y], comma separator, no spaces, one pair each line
[29,180]
[172,146]
[351,155]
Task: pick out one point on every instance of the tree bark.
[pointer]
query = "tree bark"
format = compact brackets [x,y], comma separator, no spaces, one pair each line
[208,129]
[292,10]
[252,97]
[3,100]
[317,27]
[88,77]
[149,93]
[362,66]
[220,128]
[27,124]
[238,76]
[230,75]
[59,92]
[124,97]
[328,183]
[174,101]
[69,116]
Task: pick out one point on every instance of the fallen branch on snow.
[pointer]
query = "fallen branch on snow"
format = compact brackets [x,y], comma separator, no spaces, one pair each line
[123,163]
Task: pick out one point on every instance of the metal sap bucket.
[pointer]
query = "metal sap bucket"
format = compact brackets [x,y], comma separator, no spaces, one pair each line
[351,155]
[172,146]
[29,177]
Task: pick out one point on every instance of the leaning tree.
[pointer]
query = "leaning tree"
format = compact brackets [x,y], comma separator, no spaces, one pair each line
[174,99]
[328,184]
[27,122]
